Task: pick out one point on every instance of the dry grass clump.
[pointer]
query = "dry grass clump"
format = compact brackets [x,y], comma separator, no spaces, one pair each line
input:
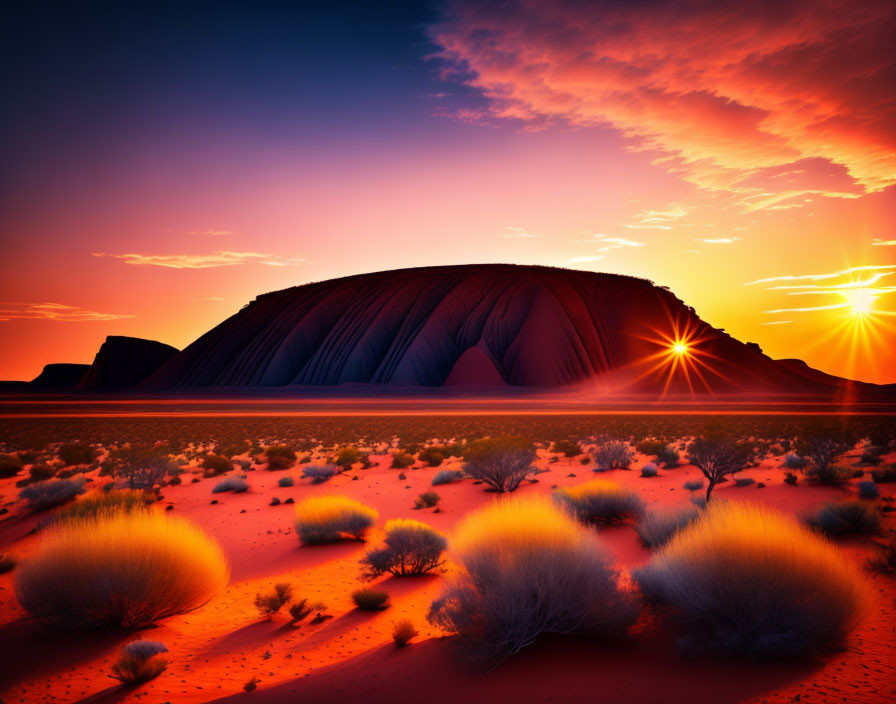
[120,570]
[139,662]
[271,603]
[502,462]
[236,484]
[402,460]
[526,568]
[657,527]
[844,516]
[320,474]
[52,492]
[403,632]
[280,457]
[447,476]
[214,465]
[370,599]
[746,581]
[324,519]
[412,548]
[613,455]
[427,499]
[103,504]
[600,501]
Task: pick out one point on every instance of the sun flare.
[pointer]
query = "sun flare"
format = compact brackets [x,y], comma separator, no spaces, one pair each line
[861,301]
[680,348]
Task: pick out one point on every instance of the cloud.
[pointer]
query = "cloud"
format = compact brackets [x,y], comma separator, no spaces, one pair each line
[820,277]
[54,311]
[787,95]
[777,322]
[201,261]
[518,232]
[883,243]
[585,259]
[609,243]
[719,240]
[214,233]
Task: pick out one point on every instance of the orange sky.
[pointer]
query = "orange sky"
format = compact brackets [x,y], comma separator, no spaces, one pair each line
[746,160]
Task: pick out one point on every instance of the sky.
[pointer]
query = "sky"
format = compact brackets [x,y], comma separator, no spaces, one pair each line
[163,164]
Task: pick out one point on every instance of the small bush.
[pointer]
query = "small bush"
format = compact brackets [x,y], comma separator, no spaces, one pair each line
[280,457]
[568,448]
[285,482]
[75,453]
[651,446]
[348,456]
[10,465]
[744,481]
[614,455]
[214,465]
[669,457]
[693,484]
[52,492]
[868,490]
[658,526]
[649,470]
[745,581]
[319,474]
[301,609]
[98,505]
[447,476]
[40,473]
[402,460]
[403,632]
[369,599]
[412,548]
[433,455]
[324,519]
[271,603]
[844,516]
[139,662]
[120,570]
[235,484]
[884,475]
[251,685]
[427,499]
[527,568]
[792,461]
[502,462]
[829,473]
[599,502]
[790,478]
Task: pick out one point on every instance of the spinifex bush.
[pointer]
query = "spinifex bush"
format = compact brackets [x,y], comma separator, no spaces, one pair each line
[829,473]
[845,516]
[99,505]
[412,548]
[427,499]
[320,474]
[348,456]
[527,568]
[270,603]
[402,460]
[657,527]
[74,453]
[280,457]
[370,599]
[447,476]
[502,462]
[237,485]
[668,457]
[140,662]
[52,492]
[120,570]
[792,461]
[600,501]
[213,465]
[432,455]
[324,519]
[403,632]
[746,581]
[568,448]
[614,455]
[649,470]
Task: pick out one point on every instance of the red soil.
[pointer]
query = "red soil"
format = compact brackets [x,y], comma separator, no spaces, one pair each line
[216,649]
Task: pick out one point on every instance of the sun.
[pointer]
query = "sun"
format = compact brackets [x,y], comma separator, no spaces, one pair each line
[680,348]
[860,301]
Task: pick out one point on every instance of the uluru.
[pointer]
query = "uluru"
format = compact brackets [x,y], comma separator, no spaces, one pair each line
[484,326]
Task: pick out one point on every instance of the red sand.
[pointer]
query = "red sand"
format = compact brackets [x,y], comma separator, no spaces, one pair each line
[216,649]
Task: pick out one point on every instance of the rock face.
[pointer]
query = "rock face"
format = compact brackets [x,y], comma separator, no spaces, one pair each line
[59,376]
[123,362]
[477,325]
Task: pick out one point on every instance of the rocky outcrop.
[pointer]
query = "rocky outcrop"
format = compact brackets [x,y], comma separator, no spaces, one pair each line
[123,362]
[59,376]
[476,325]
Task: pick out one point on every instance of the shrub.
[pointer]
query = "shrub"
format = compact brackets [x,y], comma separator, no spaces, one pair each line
[790,478]
[527,568]
[235,484]
[693,484]
[319,474]
[280,457]
[324,519]
[823,443]
[568,448]
[868,490]
[792,461]
[433,455]
[651,446]
[656,527]
[403,632]
[447,476]
[120,570]
[599,501]
[251,685]
[52,492]
[649,470]
[139,662]
[668,457]
[844,516]
[10,465]
[269,604]
[745,581]
[402,460]
[40,473]
[141,467]
[502,462]
[744,481]
[614,455]
[412,548]
[427,499]
[98,505]
[300,610]
[74,453]
[884,475]
[369,599]
[213,465]
[830,473]
[285,482]
[717,456]
[348,456]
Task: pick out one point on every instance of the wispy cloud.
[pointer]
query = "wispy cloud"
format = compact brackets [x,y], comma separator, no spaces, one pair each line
[518,232]
[606,243]
[719,240]
[202,261]
[877,242]
[54,311]
[213,233]
[821,277]
[777,322]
